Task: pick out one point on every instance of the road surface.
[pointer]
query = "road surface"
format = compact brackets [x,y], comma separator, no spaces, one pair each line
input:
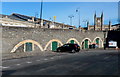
[92,62]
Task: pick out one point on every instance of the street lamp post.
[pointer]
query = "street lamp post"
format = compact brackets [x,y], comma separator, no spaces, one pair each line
[71,16]
[78,11]
[41,12]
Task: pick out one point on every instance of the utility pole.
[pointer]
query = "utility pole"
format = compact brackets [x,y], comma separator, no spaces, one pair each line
[71,16]
[41,12]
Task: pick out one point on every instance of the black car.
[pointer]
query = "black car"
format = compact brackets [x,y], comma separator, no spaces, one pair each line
[69,48]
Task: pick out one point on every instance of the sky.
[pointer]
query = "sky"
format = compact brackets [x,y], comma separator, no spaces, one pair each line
[64,9]
[60,0]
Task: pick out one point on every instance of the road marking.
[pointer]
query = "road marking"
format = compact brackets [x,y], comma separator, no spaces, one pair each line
[37,60]
[42,69]
[5,67]
[106,57]
[83,64]
[18,64]
[28,62]
[45,59]
[51,58]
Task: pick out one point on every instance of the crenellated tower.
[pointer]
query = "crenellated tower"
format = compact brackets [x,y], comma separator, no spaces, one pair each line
[98,22]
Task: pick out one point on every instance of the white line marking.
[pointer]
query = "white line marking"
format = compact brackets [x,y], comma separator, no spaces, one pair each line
[45,59]
[5,67]
[51,58]
[37,60]
[106,57]
[18,64]
[42,69]
[28,62]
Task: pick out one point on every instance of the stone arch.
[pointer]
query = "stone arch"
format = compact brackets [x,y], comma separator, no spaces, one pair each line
[51,42]
[25,41]
[82,42]
[74,40]
[85,39]
[101,44]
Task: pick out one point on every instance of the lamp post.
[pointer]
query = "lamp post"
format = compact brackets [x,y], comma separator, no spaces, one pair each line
[78,11]
[41,12]
[71,16]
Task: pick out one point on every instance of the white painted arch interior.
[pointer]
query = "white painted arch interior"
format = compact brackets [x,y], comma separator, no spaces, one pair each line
[100,40]
[23,42]
[48,43]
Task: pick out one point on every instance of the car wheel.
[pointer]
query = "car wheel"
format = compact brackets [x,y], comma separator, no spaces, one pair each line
[73,51]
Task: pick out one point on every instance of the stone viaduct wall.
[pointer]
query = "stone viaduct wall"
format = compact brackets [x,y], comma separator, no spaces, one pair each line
[14,38]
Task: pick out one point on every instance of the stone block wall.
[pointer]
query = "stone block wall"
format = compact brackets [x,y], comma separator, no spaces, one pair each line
[11,36]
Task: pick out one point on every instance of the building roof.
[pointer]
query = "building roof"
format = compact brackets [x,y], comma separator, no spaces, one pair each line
[20,17]
[116,25]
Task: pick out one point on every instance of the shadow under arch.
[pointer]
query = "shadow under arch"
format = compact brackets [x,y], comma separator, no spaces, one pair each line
[48,43]
[100,40]
[25,41]
[74,40]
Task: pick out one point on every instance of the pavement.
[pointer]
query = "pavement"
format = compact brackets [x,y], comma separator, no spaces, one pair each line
[30,54]
[38,53]
[90,62]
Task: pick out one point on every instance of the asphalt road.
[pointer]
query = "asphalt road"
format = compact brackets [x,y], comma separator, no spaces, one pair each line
[97,62]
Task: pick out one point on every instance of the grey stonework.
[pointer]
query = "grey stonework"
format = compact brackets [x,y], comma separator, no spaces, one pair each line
[11,36]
